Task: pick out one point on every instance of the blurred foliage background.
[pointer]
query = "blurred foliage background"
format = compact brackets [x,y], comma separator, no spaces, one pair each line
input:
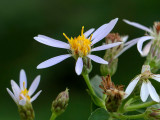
[21,20]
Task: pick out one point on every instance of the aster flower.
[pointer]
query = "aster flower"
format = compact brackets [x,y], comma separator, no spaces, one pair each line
[151,34]
[20,93]
[79,47]
[146,88]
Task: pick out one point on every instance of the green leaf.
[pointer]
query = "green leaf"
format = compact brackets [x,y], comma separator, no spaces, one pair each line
[95,82]
[99,114]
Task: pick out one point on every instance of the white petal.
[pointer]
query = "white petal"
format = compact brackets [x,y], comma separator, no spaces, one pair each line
[127,46]
[53,61]
[51,42]
[87,33]
[140,43]
[12,95]
[106,46]
[144,92]
[105,32]
[34,85]
[138,26]
[99,31]
[16,89]
[153,92]
[22,79]
[35,96]
[156,77]
[97,59]
[79,66]
[131,86]
[124,38]
[22,102]
[132,41]
[145,68]
[146,49]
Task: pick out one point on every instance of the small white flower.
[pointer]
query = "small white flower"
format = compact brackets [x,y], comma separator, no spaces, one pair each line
[20,94]
[152,34]
[146,88]
[79,47]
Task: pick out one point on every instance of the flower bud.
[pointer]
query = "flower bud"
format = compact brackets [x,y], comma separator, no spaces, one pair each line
[114,94]
[111,53]
[60,104]
[153,58]
[26,111]
[152,114]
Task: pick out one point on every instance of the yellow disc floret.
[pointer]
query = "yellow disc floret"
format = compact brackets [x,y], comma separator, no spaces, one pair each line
[25,93]
[80,45]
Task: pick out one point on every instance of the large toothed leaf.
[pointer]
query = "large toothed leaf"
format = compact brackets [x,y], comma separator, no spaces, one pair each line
[99,114]
[95,82]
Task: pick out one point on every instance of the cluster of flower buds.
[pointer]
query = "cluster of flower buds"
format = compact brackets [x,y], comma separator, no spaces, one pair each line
[152,114]
[60,104]
[110,54]
[114,94]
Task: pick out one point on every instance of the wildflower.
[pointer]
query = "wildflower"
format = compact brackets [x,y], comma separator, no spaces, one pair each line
[20,94]
[111,54]
[152,34]
[146,88]
[80,47]
[114,94]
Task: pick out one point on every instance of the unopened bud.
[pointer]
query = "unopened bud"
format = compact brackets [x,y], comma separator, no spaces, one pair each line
[111,53]
[60,104]
[114,94]
[152,114]
[26,111]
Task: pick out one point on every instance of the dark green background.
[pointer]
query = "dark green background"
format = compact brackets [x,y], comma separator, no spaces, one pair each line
[21,20]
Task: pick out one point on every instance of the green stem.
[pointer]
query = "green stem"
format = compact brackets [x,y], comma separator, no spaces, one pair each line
[86,78]
[97,101]
[53,117]
[126,117]
[138,106]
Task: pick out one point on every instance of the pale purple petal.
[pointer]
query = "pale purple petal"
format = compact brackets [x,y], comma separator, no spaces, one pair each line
[51,42]
[97,59]
[144,92]
[12,95]
[131,86]
[106,46]
[127,46]
[87,33]
[99,31]
[156,77]
[140,43]
[146,49]
[138,26]
[124,38]
[153,92]
[106,31]
[34,85]
[53,61]
[23,79]
[35,96]
[16,89]
[79,66]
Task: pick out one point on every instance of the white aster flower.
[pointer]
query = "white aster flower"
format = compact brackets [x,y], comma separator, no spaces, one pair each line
[80,46]
[146,88]
[20,94]
[151,34]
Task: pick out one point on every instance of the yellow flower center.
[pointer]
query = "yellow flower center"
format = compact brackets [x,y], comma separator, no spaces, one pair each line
[80,45]
[25,93]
